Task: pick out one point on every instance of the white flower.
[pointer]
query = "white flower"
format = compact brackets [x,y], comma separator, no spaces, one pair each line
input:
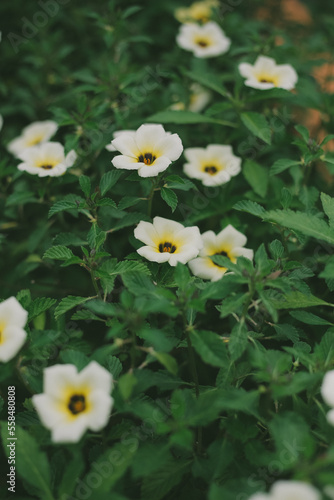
[208,40]
[168,241]
[289,490]
[118,133]
[12,334]
[47,159]
[293,490]
[213,165]
[229,243]
[36,133]
[327,392]
[150,150]
[73,402]
[198,100]
[266,74]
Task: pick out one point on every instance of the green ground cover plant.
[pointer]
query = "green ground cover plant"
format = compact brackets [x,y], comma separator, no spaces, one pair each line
[166,238]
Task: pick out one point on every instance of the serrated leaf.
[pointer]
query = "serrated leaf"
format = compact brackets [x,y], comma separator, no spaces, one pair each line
[62,205]
[108,180]
[257,124]
[68,303]
[281,165]
[328,206]
[250,207]
[126,384]
[106,202]
[128,201]
[39,305]
[210,348]
[85,185]
[128,266]
[169,197]
[59,252]
[297,300]
[238,340]
[73,357]
[309,318]
[303,131]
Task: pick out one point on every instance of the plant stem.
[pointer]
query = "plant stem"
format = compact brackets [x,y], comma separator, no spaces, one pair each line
[96,288]
[150,199]
[192,364]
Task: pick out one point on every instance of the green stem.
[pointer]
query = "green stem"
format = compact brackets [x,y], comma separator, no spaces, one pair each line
[150,199]
[96,288]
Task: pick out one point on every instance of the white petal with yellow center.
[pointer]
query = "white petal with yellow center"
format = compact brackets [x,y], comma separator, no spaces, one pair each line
[207,40]
[266,74]
[150,150]
[36,133]
[213,165]
[73,402]
[228,243]
[12,334]
[168,241]
[47,159]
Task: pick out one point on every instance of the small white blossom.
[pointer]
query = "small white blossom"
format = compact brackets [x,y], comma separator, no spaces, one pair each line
[327,392]
[266,74]
[289,490]
[36,133]
[150,150]
[228,243]
[199,98]
[12,334]
[73,402]
[47,159]
[213,165]
[207,40]
[198,11]
[168,241]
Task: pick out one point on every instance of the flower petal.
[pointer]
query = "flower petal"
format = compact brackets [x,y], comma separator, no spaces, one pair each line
[102,404]
[13,339]
[153,255]
[12,313]
[58,378]
[327,388]
[296,490]
[97,377]
[232,237]
[148,136]
[159,165]
[126,144]
[70,431]
[126,162]
[146,232]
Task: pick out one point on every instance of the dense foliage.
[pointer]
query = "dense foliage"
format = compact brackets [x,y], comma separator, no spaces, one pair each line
[217,384]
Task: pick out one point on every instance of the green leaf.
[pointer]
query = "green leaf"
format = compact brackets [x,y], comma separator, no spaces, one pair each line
[209,81]
[20,198]
[108,180]
[256,176]
[169,197]
[128,201]
[96,237]
[185,117]
[297,300]
[210,348]
[68,303]
[328,206]
[59,252]
[73,470]
[62,205]
[39,305]
[250,207]
[257,124]
[282,164]
[73,357]
[238,340]
[126,385]
[127,266]
[31,463]
[309,318]
[85,185]
[167,361]
[303,131]
[106,202]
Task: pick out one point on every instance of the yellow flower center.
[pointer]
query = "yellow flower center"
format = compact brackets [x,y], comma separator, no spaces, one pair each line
[210,169]
[2,327]
[203,42]
[147,158]
[264,78]
[36,140]
[47,164]
[77,404]
[167,247]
